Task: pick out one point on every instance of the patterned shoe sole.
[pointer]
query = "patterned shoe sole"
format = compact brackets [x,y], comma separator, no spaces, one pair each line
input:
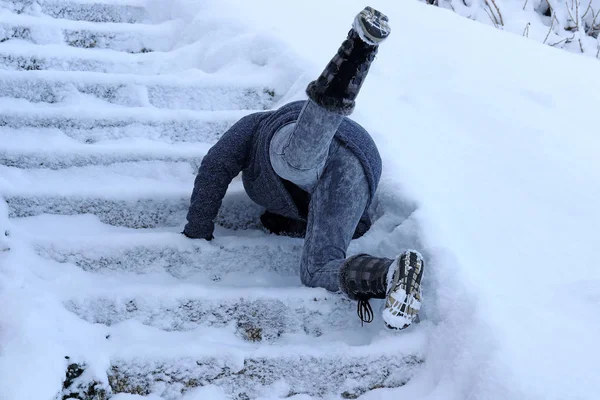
[373,25]
[404,301]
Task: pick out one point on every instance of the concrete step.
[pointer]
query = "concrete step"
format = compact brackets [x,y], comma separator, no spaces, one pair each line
[136,195]
[20,55]
[132,38]
[83,242]
[137,211]
[201,92]
[266,313]
[169,364]
[90,125]
[44,148]
[346,376]
[80,10]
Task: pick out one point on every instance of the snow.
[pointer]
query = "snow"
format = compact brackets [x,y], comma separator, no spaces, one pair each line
[490,170]
[570,25]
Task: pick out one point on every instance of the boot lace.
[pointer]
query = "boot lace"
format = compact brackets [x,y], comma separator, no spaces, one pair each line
[364,311]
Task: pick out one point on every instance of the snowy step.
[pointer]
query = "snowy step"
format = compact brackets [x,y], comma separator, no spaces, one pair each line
[92,124]
[43,148]
[144,212]
[259,313]
[170,363]
[204,92]
[133,38]
[79,11]
[95,247]
[348,376]
[83,11]
[23,55]
[137,195]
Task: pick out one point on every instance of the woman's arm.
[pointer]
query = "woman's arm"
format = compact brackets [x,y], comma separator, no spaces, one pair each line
[222,163]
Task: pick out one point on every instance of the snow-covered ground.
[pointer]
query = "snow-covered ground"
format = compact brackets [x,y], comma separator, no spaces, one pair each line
[490,169]
[572,25]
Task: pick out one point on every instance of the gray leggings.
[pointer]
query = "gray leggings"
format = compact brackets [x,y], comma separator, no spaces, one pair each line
[306,154]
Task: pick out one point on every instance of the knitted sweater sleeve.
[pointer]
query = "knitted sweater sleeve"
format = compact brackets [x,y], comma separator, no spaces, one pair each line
[222,163]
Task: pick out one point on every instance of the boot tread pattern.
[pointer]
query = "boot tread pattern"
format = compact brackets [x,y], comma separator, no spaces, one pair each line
[404,298]
[372,25]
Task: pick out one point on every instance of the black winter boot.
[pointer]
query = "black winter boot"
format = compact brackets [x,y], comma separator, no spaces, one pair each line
[338,85]
[364,277]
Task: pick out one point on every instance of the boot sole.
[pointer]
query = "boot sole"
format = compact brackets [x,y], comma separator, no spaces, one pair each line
[404,301]
[372,26]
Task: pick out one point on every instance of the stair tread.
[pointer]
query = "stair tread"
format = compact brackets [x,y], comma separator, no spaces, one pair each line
[196,90]
[131,338]
[289,313]
[89,125]
[23,108]
[14,19]
[42,148]
[23,55]
[130,180]
[104,11]
[124,37]
[314,366]
[41,141]
[24,48]
[192,78]
[137,200]
[128,3]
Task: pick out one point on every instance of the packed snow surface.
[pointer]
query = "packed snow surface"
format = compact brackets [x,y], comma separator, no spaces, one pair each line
[490,169]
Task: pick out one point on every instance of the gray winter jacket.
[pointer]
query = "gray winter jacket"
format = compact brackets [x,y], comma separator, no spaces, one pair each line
[245,147]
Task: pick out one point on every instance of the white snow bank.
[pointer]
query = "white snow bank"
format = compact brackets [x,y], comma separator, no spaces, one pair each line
[500,155]
[572,25]
[35,330]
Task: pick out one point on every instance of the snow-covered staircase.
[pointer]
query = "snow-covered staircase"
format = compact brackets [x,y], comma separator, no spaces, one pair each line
[99,145]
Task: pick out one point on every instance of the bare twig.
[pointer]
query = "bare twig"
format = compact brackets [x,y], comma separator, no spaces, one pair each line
[551,26]
[525,5]
[598,52]
[589,7]
[552,14]
[594,20]
[570,15]
[498,10]
[580,29]
[494,20]
[564,40]
[526,30]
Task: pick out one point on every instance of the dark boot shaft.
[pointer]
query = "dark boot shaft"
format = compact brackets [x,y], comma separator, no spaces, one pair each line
[338,85]
[364,277]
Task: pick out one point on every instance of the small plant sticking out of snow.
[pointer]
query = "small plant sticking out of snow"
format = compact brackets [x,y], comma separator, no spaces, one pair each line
[570,24]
